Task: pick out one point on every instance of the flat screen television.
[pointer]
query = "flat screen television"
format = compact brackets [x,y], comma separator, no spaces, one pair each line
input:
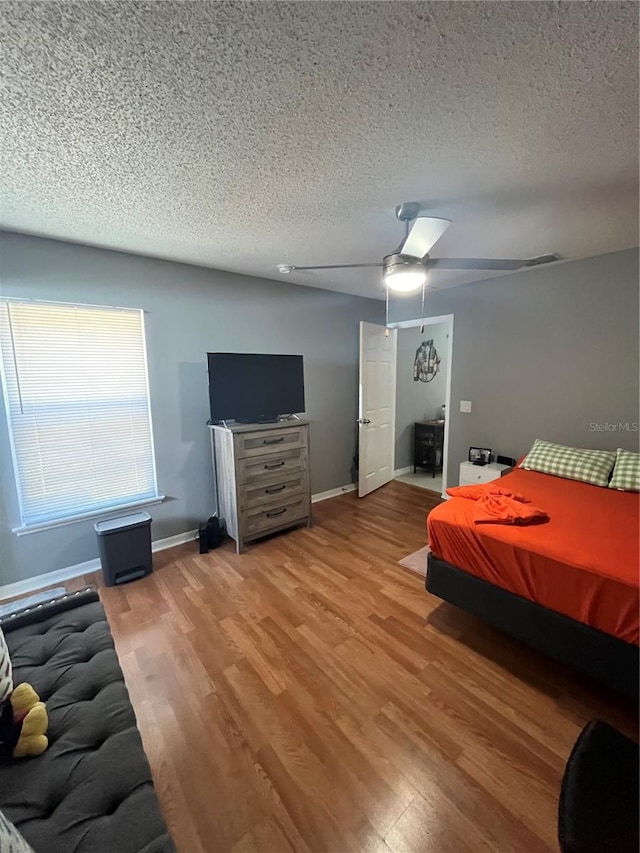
[250,388]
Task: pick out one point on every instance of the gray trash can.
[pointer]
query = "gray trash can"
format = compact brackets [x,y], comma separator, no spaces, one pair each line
[124,545]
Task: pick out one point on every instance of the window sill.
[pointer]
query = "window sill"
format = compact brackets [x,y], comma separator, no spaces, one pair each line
[111,512]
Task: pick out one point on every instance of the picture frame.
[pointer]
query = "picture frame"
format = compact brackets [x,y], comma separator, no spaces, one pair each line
[480,455]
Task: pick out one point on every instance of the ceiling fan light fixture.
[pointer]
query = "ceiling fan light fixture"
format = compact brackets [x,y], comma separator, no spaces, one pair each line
[405,281]
[403,274]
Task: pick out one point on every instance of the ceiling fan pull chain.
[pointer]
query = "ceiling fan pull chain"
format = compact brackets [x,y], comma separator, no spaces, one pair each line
[422,311]
[386,322]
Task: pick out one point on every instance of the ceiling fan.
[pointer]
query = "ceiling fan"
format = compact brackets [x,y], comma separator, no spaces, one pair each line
[406,268]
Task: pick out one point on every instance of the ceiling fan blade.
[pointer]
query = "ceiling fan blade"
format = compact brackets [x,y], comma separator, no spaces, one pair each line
[285,269]
[541,259]
[474,263]
[488,263]
[425,231]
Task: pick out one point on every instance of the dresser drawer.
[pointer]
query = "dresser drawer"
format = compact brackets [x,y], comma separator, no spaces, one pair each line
[260,520]
[471,475]
[270,441]
[267,493]
[283,462]
[473,480]
[469,478]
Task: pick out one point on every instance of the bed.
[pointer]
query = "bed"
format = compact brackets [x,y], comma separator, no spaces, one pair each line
[569,586]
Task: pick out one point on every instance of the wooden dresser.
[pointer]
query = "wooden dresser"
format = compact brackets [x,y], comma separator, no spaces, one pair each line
[262,478]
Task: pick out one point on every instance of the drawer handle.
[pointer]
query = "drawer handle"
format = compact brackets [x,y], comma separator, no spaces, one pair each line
[271,465]
[273,489]
[276,512]
[273,440]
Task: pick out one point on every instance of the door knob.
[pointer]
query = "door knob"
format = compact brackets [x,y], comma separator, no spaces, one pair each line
[364,421]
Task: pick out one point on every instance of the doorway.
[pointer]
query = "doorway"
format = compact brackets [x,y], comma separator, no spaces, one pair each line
[423,399]
[376,407]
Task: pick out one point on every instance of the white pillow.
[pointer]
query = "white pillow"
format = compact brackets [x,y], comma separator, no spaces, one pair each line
[11,841]
[6,673]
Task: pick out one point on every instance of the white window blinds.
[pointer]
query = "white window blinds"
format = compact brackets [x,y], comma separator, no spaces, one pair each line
[77,400]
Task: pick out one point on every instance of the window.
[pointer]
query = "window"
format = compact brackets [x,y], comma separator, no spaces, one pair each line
[77,400]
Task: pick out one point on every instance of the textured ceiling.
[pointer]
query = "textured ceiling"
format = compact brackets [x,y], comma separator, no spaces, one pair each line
[243,135]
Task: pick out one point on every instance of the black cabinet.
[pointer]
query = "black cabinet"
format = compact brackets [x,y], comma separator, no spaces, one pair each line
[428,442]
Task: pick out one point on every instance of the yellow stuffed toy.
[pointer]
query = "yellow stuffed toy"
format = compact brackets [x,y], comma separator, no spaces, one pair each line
[23,723]
[23,717]
[31,714]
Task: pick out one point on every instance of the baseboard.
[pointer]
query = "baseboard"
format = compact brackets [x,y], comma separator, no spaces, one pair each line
[172,541]
[11,590]
[332,493]
[400,471]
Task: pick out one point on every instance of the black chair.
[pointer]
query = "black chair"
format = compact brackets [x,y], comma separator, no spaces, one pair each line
[598,809]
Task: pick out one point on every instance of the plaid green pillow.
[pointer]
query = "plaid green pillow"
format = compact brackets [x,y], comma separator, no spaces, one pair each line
[626,473]
[573,463]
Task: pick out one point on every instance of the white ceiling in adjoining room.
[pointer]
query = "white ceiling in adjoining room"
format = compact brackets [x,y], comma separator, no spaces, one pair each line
[244,135]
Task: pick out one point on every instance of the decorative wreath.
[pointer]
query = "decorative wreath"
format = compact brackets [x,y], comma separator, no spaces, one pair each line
[426,364]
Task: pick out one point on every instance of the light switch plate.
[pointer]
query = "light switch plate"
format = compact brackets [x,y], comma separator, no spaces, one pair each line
[465,405]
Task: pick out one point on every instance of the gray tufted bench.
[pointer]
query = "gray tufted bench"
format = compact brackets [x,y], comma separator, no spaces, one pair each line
[91,791]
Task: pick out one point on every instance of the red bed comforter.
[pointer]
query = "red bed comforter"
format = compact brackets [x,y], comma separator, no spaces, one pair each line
[583,562]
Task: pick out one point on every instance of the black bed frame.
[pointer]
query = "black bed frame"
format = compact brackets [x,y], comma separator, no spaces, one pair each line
[600,656]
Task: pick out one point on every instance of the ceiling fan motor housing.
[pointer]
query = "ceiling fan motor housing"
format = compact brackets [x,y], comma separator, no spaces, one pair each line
[395,262]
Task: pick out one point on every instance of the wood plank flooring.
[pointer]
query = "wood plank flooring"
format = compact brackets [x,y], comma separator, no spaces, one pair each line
[309,695]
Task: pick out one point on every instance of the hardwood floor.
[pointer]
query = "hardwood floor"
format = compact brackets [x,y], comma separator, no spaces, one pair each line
[309,695]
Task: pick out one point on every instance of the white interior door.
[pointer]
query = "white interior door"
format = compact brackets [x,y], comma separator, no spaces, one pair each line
[377,407]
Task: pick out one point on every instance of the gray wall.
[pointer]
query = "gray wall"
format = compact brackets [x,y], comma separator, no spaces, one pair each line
[416,401]
[545,353]
[189,310]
